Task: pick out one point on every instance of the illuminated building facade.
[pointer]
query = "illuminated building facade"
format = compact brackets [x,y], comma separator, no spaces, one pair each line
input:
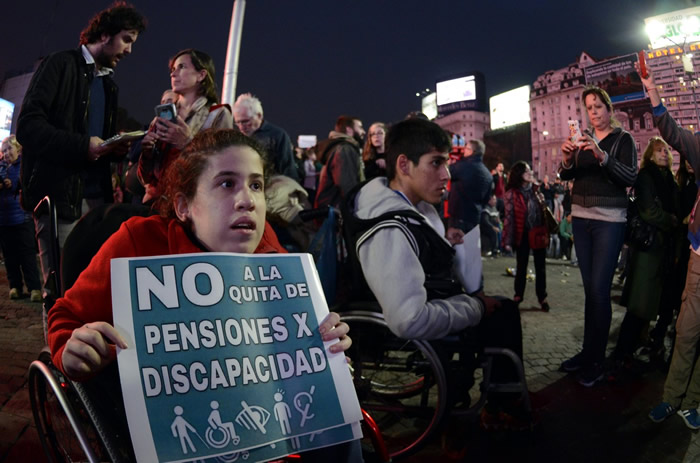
[471,125]
[677,88]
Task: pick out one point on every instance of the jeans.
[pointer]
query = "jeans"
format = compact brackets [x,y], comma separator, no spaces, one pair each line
[682,387]
[598,245]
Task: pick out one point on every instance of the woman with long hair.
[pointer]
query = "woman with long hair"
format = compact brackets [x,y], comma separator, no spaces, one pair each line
[523,214]
[656,195]
[192,79]
[373,152]
[603,163]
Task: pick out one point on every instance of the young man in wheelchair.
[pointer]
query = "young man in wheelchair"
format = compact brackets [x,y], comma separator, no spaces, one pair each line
[398,241]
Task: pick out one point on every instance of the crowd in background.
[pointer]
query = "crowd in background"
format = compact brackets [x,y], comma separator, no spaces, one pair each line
[583,215]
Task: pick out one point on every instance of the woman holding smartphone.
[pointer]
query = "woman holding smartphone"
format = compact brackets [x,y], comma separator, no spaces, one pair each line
[197,108]
[603,163]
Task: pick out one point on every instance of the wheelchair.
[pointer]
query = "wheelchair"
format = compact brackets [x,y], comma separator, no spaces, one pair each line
[409,386]
[71,418]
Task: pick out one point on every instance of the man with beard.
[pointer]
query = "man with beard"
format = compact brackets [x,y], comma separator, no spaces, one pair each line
[69,109]
[342,162]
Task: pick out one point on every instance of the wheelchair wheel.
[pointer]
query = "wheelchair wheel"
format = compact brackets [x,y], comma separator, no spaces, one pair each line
[65,431]
[399,382]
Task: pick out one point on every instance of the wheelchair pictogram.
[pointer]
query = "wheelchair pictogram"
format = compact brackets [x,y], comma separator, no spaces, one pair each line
[219,434]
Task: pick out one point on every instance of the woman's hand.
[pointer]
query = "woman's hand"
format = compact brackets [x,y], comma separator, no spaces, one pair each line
[588,143]
[381,163]
[568,149]
[332,328]
[648,82]
[650,85]
[88,350]
[176,133]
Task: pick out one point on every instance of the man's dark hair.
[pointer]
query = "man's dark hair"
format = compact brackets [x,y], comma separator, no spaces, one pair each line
[344,122]
[413,138]
[118,17]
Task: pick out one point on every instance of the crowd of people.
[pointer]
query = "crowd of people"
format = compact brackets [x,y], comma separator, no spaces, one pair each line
[206,162]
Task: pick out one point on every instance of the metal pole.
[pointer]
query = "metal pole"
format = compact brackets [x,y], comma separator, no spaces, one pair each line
[228,90]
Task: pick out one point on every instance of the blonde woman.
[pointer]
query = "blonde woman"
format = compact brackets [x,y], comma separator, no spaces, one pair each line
[656,194]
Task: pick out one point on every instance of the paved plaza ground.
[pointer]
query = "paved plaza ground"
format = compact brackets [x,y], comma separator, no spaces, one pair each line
[606,423]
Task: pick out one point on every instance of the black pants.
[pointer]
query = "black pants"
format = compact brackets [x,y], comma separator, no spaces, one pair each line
[500,329]
[522,255]
[19,249]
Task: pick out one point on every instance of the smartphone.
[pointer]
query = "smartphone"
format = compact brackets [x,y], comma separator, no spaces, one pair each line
[643,65]
[574,131]
[166,111]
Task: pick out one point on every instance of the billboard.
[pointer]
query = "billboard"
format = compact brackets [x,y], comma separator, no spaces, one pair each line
[7,108]
[510,108]
[465,91]
[674,28]
[617,77]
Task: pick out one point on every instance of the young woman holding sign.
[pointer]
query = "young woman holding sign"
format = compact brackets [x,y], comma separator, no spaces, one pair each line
[214,201]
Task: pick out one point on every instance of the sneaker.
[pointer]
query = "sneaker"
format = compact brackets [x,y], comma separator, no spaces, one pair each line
[545,306]
[35,295]
[661,412]
[14,293]
[591,375]
[691,418]
[575,363]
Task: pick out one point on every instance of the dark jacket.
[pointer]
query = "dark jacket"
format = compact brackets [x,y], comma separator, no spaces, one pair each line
[342,169]
[685,142]
[52,129]
[470,190]
[10,211]
[604,186]
[657,198]
[279,149]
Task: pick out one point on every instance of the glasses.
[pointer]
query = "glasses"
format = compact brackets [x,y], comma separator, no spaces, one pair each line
[380,132]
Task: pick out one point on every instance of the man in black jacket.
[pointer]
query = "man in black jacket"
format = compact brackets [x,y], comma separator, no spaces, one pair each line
[69,109]
[341,156]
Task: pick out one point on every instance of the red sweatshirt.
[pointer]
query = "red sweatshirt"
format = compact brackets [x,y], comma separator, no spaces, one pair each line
[90,298]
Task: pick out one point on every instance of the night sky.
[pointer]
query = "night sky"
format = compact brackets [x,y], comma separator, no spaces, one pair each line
[309,61]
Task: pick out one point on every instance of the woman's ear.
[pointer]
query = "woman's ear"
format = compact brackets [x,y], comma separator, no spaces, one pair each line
[182,209]
[202,76]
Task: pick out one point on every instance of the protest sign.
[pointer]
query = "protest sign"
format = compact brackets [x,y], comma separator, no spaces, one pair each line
[225,358]
[618,77]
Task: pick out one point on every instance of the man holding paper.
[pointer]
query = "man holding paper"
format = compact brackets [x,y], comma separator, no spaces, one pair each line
[68,111]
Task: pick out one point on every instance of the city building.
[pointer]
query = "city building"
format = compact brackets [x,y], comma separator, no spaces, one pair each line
[471,125]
